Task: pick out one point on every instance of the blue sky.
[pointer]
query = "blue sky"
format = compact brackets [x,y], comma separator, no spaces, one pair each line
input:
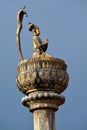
[64,23]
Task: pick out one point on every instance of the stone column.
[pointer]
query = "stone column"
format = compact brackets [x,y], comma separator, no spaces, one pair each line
[44,119]
[42,80]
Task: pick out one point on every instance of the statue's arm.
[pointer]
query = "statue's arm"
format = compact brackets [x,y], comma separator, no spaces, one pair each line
[46,41]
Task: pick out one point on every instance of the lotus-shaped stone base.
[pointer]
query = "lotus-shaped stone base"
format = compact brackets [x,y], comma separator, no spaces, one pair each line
[41,73]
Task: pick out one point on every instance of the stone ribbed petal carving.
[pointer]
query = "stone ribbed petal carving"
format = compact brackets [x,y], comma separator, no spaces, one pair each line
[42,74]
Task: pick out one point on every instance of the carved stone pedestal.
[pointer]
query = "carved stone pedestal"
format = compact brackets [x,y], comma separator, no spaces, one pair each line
[43,104]
[42,80]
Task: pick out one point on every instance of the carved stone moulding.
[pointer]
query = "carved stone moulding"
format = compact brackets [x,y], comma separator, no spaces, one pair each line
[43,99]
[42,74]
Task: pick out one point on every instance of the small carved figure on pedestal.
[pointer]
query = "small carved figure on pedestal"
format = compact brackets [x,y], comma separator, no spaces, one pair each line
[39,46]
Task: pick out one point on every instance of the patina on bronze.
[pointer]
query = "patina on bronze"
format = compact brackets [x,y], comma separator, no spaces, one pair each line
[20,16]
[42,78]
[39,47]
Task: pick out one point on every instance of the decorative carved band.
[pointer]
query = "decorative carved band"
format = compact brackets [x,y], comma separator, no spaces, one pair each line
[43,99]
[33,63]
[48,74]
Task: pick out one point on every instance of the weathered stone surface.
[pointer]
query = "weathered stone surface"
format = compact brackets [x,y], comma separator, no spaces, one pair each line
[40,73]
[44,119]
[42,79]
[43,99]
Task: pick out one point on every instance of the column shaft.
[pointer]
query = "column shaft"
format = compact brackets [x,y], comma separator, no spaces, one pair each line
[44,119]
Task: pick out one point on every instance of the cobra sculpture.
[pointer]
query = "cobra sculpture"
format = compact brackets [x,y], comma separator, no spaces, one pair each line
[20,15]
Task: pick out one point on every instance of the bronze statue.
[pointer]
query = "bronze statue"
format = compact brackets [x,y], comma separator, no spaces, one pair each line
[20,15]
[37,43]
[39,46]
